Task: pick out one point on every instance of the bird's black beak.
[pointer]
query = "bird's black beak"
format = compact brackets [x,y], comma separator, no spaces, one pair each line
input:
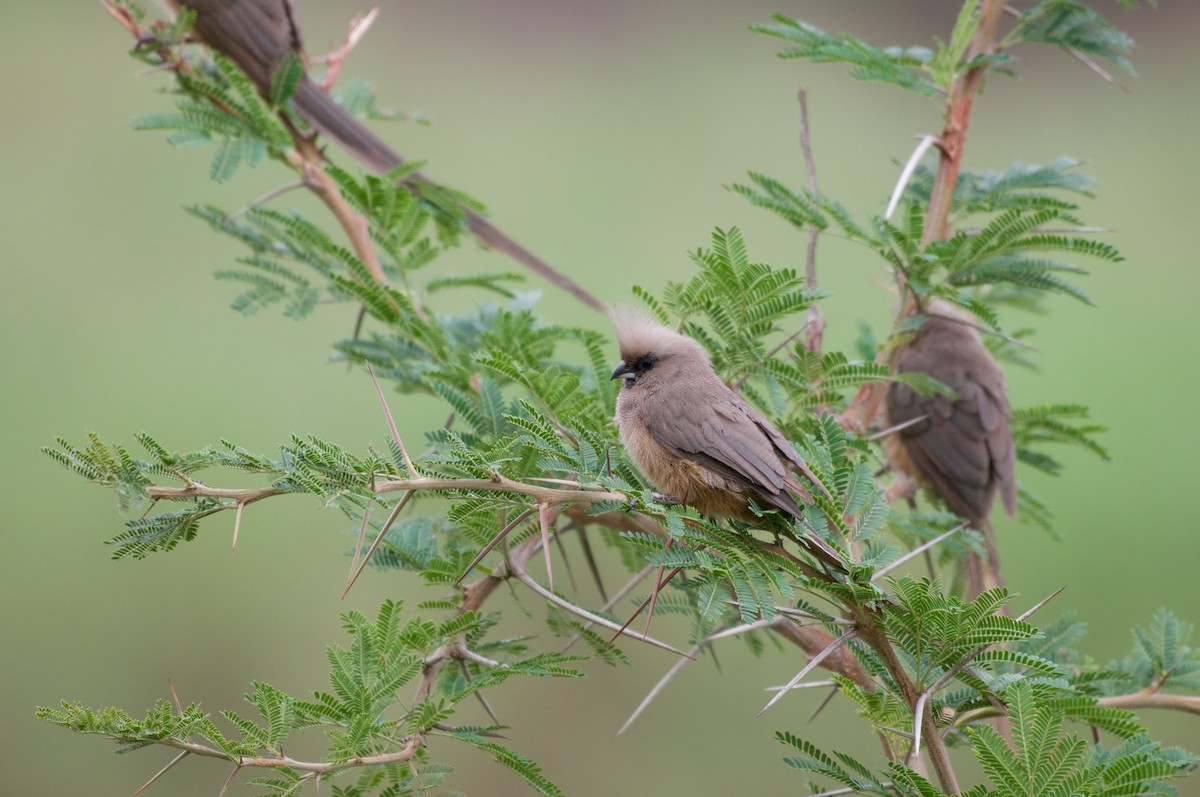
[622,370]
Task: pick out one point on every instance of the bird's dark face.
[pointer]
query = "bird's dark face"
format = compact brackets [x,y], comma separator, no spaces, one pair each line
[634,368]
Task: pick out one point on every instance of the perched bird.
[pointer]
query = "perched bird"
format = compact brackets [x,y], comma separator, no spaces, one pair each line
[694,438]
[258,34]
[961,447]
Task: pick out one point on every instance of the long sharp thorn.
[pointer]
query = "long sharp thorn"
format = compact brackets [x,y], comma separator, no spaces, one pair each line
[611,602]
[910,422]
[737,629]
[658,687]
[588,557]
[821,706]
[812,663]
[175,696]
[163,771]
[562,551]
[1042,602]
[237,526]
[920,549]
[809,685]
[378,539]
[391,422]
[643,605]
[500,535]
[658,584]
[544,525]
[358,547]
[579,611]
[228,781]
[482,700]
[918,718]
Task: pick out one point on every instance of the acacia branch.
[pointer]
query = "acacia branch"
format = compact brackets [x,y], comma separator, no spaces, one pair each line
[816,322]
[951,144]
[496,484]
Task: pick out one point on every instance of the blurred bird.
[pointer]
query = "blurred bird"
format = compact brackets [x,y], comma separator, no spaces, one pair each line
[960,447]
[258,34]
[697,440]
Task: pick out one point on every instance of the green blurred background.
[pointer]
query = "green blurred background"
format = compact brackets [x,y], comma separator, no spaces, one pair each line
[600,134]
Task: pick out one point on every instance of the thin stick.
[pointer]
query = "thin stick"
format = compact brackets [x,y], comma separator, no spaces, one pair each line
[267,197]
[815,323]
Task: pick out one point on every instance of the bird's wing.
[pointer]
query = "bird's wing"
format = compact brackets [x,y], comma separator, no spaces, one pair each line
[254,35]
[963,444]
[728,438]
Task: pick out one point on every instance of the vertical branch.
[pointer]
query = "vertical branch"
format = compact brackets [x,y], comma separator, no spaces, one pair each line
[866,404]
[958,117]
[874,635]
[816,322]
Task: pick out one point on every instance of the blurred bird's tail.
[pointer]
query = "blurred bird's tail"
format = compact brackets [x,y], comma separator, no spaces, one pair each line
[317,108]
[983,573]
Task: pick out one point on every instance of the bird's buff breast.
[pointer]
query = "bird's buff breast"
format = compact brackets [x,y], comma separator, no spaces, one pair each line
[681,479]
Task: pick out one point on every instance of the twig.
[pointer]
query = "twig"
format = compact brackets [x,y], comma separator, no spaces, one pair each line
[816,322]
[306,160]
[496,484]
[267,197]
[334,60]
[1152,698]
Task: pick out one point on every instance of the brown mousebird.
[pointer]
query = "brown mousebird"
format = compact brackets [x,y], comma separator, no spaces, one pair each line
[962,448]
[258,34]
[694,438]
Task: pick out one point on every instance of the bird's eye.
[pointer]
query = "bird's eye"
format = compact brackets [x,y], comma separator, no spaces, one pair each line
[645,364]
